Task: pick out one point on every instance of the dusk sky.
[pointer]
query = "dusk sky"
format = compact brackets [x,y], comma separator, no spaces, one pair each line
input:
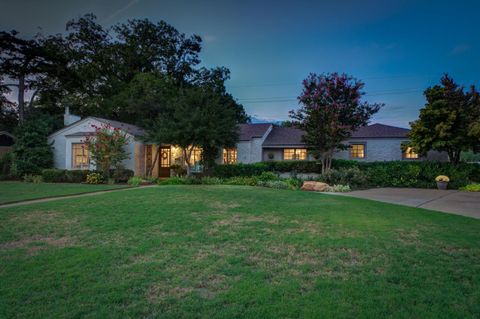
[398,48]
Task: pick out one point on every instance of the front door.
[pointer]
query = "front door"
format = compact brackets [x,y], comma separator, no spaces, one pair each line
[164,162]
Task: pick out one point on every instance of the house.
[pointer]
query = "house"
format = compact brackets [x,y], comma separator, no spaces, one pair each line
[6,142]
[257,143]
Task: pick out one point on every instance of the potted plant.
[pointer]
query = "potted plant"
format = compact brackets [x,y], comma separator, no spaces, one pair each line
[442,181]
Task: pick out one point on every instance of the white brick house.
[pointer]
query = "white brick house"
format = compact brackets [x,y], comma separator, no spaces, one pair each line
[257,143]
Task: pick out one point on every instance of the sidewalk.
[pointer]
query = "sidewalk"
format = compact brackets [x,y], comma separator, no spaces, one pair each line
[51,199]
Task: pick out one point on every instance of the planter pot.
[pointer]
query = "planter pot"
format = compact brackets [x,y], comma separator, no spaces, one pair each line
[442,185]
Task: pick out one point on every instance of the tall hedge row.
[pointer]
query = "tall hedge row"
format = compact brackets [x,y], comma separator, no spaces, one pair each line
[379,174]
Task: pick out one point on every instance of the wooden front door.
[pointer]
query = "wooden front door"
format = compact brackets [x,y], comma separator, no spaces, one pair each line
[165,157]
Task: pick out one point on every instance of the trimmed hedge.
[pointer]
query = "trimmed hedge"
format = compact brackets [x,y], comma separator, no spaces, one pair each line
[53,175]
[379,174]
[79,176]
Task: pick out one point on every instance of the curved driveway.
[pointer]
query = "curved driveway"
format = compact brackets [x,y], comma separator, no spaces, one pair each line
[449,201]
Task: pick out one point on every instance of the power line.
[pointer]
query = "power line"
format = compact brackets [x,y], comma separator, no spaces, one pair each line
[299,83]
[292,98]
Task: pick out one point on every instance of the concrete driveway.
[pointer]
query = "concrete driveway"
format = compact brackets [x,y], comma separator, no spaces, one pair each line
[449,201]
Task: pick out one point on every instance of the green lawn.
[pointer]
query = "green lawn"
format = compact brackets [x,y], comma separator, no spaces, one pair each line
[18,191]
[235,252]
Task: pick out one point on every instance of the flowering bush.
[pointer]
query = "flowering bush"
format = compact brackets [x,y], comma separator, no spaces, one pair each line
[94,178]
[442,178]
[338,188]
[106,147]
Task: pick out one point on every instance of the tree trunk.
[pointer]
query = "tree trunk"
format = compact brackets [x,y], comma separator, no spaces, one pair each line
[21,99]
[187,154]
[454,156]
[326,162]
[150,170]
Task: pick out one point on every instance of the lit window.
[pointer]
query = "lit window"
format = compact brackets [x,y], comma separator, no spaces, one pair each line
[410,153]
[229,156]
[295,154]
[357,150]
[80,156]
[196,156]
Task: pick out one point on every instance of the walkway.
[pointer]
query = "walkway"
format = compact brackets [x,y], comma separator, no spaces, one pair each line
[51,199]
[449,201]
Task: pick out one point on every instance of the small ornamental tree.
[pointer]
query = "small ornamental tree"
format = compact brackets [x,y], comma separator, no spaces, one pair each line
[106,148]
[331,110]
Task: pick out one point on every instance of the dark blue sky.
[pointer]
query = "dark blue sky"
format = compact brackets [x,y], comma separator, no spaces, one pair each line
[398,48]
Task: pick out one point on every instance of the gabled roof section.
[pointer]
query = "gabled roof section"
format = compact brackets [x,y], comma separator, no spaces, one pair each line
[284,136]
[129,128]
[249,131]
[380,131]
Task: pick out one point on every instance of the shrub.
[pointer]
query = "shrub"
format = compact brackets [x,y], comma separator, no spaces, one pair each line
[211,180]
[346,176]
[268,176]
[180,181]
[274,184]
[380,174]
[151,179]
[31,152]
[53,175]
[6,163]
[135,181]
[76,176]
[227,171]
[94,178]
[121,175]
[30,178]
[242,180]
[471,188]
[293,183]
[339,188]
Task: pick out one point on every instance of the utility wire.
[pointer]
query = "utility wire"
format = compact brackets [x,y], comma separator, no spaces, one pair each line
[292,98]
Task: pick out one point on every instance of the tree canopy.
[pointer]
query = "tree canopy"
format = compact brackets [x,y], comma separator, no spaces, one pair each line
[449,121]
[331,109]
[197,118]
[97,71]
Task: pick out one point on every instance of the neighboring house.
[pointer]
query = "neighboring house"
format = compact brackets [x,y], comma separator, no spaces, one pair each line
[257,143]
[6,142]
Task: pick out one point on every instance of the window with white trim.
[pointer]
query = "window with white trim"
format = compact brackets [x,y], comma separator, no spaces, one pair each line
[80,156]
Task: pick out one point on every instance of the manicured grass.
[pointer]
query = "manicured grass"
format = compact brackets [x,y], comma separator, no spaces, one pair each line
[236,252]
[18,191]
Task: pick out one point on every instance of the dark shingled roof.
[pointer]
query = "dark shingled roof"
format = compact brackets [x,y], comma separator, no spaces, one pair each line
[249,131]
[286,136]
[380,131]
[280,136]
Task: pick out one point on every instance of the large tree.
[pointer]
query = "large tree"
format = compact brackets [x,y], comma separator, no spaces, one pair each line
[449,121]
[107,60]
[330,110]
[197,118]
[30,66]
[8,114]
